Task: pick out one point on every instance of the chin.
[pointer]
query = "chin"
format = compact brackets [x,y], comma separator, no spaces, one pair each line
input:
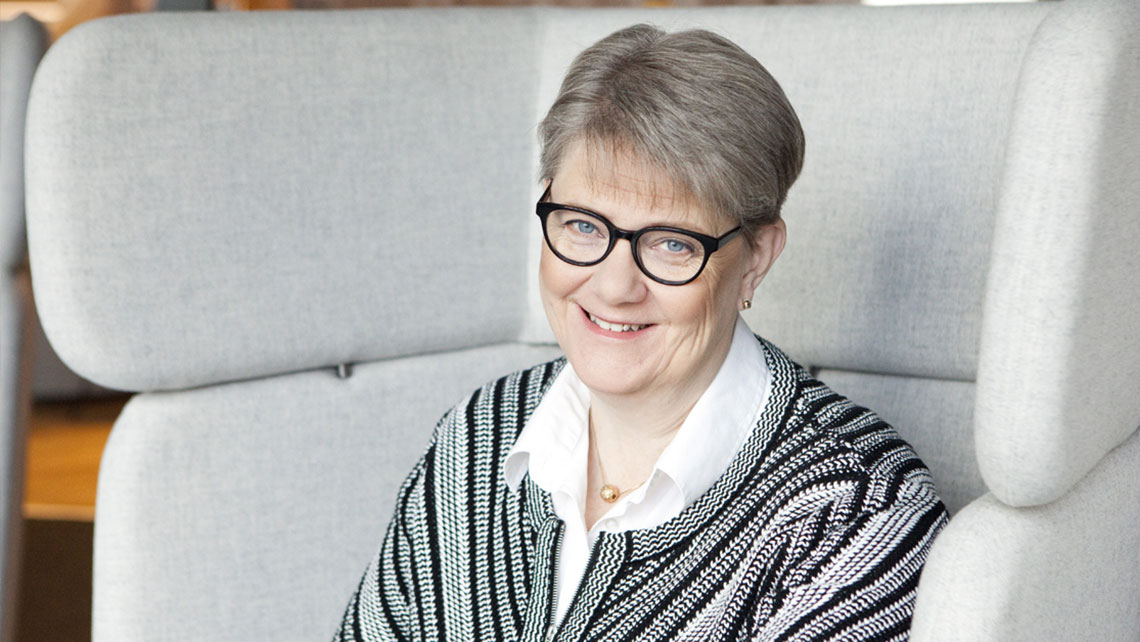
[609,373]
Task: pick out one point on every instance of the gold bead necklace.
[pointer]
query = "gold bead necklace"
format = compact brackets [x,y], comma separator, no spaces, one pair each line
[609,492]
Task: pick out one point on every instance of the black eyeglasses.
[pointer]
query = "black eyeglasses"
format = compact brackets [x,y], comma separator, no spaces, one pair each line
[668,255]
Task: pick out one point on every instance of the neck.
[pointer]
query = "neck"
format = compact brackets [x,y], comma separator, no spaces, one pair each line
[628,435]
[632,430]
[628,442]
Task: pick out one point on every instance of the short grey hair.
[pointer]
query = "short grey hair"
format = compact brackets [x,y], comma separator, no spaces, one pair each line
[691,104]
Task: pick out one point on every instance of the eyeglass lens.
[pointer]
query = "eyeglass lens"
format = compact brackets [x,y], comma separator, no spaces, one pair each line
[668,255]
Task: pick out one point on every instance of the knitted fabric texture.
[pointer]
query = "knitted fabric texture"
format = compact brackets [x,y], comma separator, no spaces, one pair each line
[817,530]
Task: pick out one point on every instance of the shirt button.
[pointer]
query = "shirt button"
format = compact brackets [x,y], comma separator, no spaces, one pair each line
[610,524]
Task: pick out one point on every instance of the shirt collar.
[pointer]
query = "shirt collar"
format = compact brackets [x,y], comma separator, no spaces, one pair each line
[552,446]
[551,440]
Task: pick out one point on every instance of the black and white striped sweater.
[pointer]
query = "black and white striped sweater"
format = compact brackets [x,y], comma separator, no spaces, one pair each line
[817,531]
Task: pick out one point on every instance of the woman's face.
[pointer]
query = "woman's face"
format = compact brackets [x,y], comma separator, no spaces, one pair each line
[679,335]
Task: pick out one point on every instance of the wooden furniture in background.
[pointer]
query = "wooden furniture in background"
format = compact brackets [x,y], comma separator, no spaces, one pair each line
[64,447]
[65,444]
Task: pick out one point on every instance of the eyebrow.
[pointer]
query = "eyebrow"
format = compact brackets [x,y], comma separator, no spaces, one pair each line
[547,197]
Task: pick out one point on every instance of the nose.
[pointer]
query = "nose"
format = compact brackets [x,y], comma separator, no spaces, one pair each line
[617,279]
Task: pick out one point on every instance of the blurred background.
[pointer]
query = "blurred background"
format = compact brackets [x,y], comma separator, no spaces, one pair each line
[61,15]
[69,419]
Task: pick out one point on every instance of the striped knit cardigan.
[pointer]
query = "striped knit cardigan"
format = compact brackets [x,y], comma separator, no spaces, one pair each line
[817,531]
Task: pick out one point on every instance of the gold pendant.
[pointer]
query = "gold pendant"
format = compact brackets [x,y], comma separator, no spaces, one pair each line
[610,494]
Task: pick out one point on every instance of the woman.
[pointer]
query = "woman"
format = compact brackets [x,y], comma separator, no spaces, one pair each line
[674,477]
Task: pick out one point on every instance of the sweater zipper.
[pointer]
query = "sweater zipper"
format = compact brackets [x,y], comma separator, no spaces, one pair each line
[551,627]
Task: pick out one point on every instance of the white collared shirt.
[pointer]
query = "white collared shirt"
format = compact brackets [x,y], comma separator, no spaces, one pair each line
[554,445]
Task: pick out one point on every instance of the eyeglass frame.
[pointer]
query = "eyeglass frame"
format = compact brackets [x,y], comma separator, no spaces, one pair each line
[711,244]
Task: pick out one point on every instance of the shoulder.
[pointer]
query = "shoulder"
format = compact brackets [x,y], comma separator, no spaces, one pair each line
[486,422]
[892,470]
[852,497]
[881,469]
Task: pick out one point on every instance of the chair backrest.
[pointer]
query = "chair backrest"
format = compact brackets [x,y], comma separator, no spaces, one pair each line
[22,43]
[222,221]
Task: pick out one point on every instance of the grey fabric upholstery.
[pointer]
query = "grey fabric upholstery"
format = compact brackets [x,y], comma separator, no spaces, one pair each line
[1061,304]
[52,380]
[21,47]
[1076,561]
[245,528]
[353,180]
[359,189]
[22,43]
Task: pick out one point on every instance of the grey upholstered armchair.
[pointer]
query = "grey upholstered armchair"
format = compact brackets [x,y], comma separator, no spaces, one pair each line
[22,43]
[224,208]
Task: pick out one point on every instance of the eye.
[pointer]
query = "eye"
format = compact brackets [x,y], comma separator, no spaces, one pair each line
[669,249]
[584,227]
[674,246]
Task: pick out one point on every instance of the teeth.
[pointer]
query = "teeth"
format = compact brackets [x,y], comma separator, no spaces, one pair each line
[615,327]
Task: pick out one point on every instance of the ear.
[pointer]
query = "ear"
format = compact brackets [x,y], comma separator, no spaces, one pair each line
[767,244]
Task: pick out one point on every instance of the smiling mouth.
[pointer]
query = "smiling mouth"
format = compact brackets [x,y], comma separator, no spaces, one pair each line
[616,327]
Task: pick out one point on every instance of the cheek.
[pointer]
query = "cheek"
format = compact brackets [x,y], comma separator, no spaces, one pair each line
[692,310]
[716,299]
[555,278]
[729,285]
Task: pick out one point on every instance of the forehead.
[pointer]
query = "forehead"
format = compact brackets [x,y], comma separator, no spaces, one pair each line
[629,191]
